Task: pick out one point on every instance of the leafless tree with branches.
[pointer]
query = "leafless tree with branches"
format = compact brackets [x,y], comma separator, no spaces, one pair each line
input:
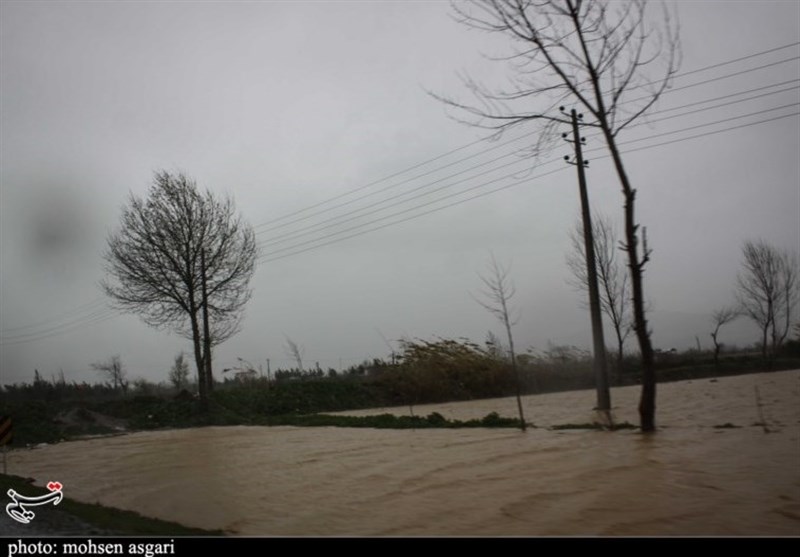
[614,286]
[179,372]
[182,259]
[497,297]
[719,318]
[767,291]
[114,371]
[599,56]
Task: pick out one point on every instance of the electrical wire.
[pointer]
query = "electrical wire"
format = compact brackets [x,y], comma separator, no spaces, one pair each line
[80,323]
[348,217]
[266,258]
[352,201]
[493,135]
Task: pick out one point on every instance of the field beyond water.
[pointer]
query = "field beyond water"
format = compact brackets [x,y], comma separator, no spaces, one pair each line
[725,461]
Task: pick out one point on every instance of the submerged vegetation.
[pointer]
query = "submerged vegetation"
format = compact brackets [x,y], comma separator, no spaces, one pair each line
[390,421]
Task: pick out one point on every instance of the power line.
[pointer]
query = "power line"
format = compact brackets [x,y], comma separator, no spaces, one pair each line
[734,60]
[490,137]
[416,177]
[365,186]
[90,306]
[337,219]
[525,136]
[718,106]
[729,96]
[80,323]
[719,78]
[706,134]
[437,209]
[353,215]
[506,176]
[757,113]
[266,258]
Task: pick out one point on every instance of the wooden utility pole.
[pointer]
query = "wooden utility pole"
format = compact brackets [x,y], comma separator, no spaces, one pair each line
[600,365]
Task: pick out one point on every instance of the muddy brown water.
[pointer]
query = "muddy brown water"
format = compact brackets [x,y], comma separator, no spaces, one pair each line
[693,477]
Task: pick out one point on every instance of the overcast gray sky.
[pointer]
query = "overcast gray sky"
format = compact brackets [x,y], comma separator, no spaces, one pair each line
[284,105]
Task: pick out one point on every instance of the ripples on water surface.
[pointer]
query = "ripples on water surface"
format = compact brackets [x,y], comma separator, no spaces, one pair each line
[691,478]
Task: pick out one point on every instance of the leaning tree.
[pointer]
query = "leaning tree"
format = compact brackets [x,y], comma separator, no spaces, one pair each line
[610,60]
[183,259]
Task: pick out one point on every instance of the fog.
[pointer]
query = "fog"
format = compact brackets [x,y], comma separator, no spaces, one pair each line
[285,105]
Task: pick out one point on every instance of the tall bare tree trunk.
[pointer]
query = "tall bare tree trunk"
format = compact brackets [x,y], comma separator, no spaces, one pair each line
[620,357]
[647,402]
[198,356]
[517,380]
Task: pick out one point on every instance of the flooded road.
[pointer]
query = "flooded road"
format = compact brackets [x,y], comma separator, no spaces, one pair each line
[691,478]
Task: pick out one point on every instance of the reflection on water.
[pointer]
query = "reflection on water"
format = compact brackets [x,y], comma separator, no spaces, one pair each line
[690,478]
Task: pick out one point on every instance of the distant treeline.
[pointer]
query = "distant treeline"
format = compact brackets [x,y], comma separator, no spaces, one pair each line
[426,372]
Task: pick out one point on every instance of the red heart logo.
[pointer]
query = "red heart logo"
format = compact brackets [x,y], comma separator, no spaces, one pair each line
[54,486]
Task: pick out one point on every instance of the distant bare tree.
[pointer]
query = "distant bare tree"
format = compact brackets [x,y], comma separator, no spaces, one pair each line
[614,291]
[498,293]
[768,291]
[790,292]
[179,373]
[295,351]
[608,59]
[114,371]
[721,317]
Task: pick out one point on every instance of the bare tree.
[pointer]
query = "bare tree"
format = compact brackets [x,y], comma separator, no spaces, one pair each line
[498,293]
[614,290]
[179,373]
[721,317]
[295,351]
[114,371]
[601,56]
[182,259]
[790,291]
[767,291]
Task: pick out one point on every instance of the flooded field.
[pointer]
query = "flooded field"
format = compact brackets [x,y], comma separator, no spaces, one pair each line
[726,461]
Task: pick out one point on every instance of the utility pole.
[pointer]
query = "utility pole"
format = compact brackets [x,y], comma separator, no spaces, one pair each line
[599,366]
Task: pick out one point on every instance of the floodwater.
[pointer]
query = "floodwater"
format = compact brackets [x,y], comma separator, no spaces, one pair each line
[690,478]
